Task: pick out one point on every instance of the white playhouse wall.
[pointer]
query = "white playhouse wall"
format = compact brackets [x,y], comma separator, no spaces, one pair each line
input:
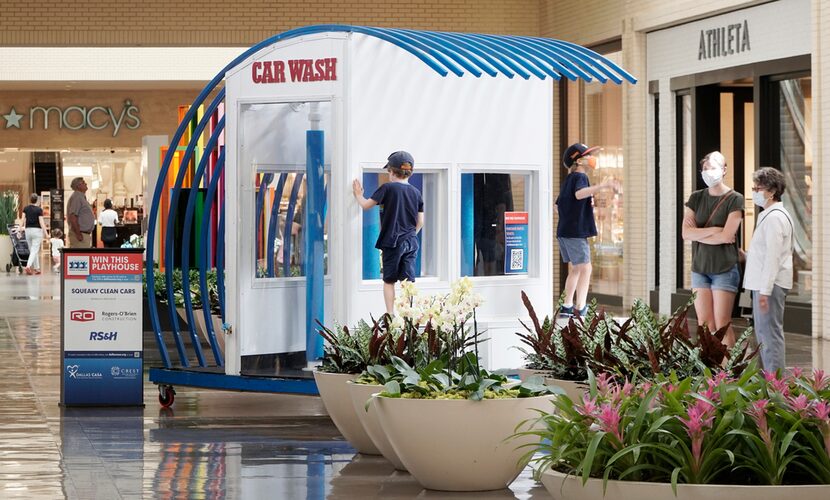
[395,101]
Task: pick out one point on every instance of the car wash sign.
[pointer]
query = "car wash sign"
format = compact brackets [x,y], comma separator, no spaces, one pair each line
[101,327]
[515,242]
[295,70]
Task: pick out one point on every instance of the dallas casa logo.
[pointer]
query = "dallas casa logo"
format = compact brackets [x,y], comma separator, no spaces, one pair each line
[82,315]
[77,265]
[75,372]
[75,117]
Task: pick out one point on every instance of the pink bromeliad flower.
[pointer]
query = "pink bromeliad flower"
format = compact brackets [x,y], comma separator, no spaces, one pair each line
[758,412]
[609,420]
[710,393]
[589,406]
[781,386]
[604,382]
[699,418]
[821,411]
[796,372]
[820,380]
[769,375]
[799,404]
[717,379]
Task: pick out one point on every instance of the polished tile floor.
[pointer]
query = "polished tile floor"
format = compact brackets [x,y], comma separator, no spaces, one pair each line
[209,445]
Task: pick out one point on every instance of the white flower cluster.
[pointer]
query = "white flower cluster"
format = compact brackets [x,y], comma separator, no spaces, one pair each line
[446,311]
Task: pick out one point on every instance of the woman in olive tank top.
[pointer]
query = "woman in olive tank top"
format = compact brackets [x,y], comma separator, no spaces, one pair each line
[711,221]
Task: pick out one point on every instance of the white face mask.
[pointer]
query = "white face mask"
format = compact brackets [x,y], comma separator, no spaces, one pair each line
[712,177]
[758,198]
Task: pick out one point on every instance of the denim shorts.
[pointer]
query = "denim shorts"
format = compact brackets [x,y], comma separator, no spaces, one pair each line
[399,261]
[727,281]
[574,250]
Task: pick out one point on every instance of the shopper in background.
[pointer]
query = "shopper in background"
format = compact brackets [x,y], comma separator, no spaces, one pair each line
[711,221]
[107,219]
[769,265]
[402,218]
[35,232]
[576,224]
[79,215]
[56,242]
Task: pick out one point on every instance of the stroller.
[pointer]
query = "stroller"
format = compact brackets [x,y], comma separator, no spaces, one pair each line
[20,249]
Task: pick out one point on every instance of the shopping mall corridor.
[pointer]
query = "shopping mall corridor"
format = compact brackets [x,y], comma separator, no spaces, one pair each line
[209,445]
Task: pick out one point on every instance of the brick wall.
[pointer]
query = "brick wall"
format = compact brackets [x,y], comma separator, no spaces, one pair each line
[242,22]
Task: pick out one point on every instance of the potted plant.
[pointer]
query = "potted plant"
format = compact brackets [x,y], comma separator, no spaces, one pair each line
[449,420]
[644,346]
[8,217]
[759,436]
[345,355]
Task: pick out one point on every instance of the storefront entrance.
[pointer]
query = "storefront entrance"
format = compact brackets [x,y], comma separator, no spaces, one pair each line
[756,119]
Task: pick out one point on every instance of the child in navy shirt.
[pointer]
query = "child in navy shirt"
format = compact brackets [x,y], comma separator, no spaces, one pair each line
[401,219]
[576,225]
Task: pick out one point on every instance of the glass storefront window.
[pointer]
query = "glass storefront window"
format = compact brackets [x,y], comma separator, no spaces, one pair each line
[485,197]
[428,256]
[688,173]
[280,236]
[600,125]
[795,147]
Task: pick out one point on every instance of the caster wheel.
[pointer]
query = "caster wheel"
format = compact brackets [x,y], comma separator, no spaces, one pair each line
[166,396]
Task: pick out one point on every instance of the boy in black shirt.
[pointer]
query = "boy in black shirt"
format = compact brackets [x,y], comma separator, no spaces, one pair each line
[576,225]
[401,219]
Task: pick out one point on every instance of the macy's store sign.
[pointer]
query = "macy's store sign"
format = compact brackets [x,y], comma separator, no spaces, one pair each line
[72,117]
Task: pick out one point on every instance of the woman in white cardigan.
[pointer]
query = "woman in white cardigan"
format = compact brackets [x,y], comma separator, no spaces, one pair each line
[769,265]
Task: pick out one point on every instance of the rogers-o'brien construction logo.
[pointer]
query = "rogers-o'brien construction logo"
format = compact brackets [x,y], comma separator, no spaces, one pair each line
[82,315]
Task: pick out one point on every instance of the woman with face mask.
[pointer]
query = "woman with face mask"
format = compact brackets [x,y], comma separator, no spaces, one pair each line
[711,220]
[769,265]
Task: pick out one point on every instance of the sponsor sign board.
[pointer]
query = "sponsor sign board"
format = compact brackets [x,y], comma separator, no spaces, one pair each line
[515,242]
[102,329]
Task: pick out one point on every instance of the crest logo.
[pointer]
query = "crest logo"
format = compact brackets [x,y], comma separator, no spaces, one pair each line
[73,370]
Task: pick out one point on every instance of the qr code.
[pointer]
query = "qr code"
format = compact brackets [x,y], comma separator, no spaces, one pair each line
[517,258]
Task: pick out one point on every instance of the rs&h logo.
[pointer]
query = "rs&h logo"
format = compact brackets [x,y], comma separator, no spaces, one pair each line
[82,315]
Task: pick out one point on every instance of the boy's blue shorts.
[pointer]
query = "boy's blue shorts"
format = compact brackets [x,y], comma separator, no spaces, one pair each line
[399,261]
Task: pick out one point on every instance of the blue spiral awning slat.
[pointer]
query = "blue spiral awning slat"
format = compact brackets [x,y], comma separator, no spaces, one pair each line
[203,270]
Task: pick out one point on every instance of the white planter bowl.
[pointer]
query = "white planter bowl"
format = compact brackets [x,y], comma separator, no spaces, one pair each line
[572,389]
[460,445]
[338,403]
[361,393]
[570,488]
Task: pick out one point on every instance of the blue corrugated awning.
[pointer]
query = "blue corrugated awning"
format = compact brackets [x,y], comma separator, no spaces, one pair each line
[477,55]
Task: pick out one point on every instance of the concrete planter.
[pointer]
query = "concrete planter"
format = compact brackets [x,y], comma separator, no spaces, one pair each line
[460,445]
[563,487]
[338,403]
[573,389]
[361,393]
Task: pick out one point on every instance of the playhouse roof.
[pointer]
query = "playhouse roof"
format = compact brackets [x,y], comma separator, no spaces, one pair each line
[463,53]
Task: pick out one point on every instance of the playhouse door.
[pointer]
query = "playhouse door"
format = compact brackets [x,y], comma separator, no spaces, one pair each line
[285,148]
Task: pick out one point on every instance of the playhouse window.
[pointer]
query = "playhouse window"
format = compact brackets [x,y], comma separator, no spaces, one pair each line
[427,262]
[280,212]
[485,197]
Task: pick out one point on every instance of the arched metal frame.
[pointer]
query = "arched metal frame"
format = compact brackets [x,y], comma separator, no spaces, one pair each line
[456,53]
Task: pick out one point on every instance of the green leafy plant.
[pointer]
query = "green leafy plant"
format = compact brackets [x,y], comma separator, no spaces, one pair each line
[9,204]
[645,345]
[759,428]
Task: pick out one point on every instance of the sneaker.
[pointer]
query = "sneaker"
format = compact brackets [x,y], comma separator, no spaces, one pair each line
[566,312]
[584,311]
[28,270]
[36,271]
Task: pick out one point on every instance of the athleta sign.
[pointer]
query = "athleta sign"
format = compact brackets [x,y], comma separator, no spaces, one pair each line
[294,70]
[723,41]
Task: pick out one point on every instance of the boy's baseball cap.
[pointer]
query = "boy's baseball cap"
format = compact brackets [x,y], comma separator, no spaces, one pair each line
[397,160]
[575,152]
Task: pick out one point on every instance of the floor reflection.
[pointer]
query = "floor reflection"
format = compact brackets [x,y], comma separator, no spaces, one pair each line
[211,444]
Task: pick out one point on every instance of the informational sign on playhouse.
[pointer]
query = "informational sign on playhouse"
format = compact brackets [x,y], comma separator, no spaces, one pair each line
[515,242]
[102,327]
